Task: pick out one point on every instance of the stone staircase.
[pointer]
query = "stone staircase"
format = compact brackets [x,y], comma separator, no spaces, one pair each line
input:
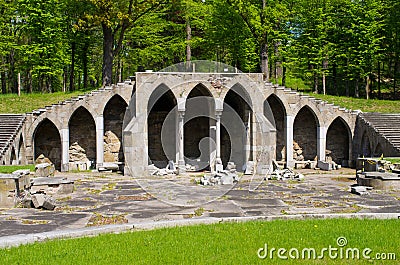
[10,125]
[386,125]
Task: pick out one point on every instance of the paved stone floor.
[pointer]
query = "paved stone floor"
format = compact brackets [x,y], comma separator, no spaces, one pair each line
[105,198]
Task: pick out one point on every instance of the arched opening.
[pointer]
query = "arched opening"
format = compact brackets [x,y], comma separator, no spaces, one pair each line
[305,135]
[13,159]
[365,146]
[21,151]
[47,141]
[161,103]
[378,150]
[337,141]
[82,137]
[198,121]
[279,112]
[113,115]
[237,138]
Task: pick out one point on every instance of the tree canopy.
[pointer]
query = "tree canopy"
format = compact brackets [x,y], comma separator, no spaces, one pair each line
[341,47]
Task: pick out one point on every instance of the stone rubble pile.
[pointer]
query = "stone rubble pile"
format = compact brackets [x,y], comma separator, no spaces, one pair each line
[328,164]
[170,169]
[229,176]
[297,152]
[279,173]
[112,146]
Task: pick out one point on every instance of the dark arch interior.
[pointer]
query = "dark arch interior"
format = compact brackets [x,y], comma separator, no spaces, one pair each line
[278,110]
[239,152]
[113,115]
[378,150]
[21,151]
[82,131]
[365,145]
[155,121]
[305,135]
[47,141]
[337,141]
[199,110]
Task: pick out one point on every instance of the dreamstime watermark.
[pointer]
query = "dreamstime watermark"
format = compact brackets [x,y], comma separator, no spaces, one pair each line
[340,251]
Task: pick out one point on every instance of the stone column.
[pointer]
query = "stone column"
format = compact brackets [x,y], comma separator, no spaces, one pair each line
[218,161]
[64,149]
[289,121]
[181,122]
[321,143]
[99,141]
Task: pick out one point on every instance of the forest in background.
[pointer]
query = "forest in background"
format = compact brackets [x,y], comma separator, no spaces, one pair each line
[337,47]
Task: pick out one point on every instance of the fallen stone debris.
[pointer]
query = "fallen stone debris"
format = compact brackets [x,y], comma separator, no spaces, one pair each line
[33,190]
[229,176]
[170,169]
[280,173]
[360,190]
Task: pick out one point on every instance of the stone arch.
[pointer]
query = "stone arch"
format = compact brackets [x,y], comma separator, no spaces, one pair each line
[378,150]
[113,115]
[185,89]
[199,117]
[47,141]
[21,151]
[237,103]
[13,157]
[338,139]
[278,119]
[78,106]
[82,136]
[162,101]
[365,145]
[305,135]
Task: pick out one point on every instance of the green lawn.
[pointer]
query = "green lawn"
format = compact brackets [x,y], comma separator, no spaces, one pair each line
[11,169]
[11,103]
[225,243]
[371,105]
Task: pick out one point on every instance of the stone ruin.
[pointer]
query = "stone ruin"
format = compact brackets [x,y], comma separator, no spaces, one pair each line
[33,190]
[77,158]
[112,146]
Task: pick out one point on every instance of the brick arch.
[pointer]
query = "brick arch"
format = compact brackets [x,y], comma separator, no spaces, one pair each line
[338,141]
[278,111]
[305,134]
[82,130]
[46,140]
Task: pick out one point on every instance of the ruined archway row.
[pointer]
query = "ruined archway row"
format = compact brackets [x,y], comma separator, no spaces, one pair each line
[290,118]
[79,133]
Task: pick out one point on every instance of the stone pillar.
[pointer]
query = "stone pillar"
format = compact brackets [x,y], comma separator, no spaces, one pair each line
[181,122]
[289,121]
[219,107]
[321,142]
[64,149]
[99,141]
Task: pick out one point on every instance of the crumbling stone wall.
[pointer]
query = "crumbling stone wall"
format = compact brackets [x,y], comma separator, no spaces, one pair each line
[47,142]
[83,132]
[337,142]
[305,133]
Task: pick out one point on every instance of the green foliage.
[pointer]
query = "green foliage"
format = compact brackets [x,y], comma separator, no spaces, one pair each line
[225,243]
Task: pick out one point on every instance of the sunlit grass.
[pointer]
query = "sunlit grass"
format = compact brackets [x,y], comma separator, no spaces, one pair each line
[11,169]
[225,243]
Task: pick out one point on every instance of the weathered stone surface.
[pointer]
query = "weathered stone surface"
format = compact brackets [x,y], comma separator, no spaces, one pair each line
[44,170]
[56,185]
[112,146]
[12,186]
[41,200]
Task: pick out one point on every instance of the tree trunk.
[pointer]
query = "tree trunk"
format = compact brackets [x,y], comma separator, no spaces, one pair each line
[356,92]
[108,55]
[395,78]
[379,80]
[72,70]
[264,61]
[188,39]
[367,86]
[334,76]
[315,83]
[283,72]
[3,82]
[85,64]
[12,78]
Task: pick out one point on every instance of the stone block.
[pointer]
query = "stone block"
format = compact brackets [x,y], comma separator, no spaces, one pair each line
[38,199]
[44,170]
[324,165]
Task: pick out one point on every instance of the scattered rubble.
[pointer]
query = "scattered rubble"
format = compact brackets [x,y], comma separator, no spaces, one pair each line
[360,190]
[224,177]
[283,174]
[44,170]
[170,169]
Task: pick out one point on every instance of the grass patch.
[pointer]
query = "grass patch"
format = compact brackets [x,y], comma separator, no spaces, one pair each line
[225,243]
[11,169]
[371,105]
[393,160]
[11,103]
